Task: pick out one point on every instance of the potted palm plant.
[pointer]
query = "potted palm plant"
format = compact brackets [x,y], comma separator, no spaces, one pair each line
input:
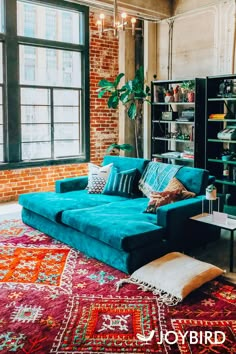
[132,95]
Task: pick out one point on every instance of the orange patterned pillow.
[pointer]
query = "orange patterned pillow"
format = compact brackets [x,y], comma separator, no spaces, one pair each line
[158,199]
[175,184]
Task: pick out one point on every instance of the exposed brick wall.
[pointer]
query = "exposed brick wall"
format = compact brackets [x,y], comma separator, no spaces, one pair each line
[103,126]
[103,64]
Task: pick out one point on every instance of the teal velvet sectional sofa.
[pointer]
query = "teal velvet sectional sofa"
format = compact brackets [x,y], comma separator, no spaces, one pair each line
[114,228]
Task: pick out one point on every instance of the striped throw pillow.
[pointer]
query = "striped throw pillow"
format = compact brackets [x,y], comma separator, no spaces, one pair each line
[120,183]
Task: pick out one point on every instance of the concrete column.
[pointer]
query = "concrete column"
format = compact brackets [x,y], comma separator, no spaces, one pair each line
[127,66]
[150,69]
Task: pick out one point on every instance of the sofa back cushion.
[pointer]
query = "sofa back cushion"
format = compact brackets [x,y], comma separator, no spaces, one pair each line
[123,163]
[193,179]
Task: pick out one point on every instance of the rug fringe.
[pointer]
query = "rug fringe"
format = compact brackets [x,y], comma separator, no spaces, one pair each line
[163,297]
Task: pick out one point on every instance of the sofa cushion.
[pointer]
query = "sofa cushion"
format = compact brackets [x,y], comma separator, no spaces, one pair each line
[96,185]
[98,171]
[175,184]
[122,225]
[194,179]
[120,183]
[156,177]
[158,199]
[51,204]
[172,277]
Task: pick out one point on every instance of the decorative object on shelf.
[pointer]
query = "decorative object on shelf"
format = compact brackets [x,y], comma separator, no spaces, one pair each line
[211,192]
[177,94]
[188,91]
[132,95]
[118,24]
[169,115]
[114,149]
[225,172]
[217,116]
[226,155]
[227,134]
[227,88]
[169,95]
[158,92]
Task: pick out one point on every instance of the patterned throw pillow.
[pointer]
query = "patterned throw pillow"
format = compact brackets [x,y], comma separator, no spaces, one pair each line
[158,199]
[97,185]
[120,183]
[156,177]
[98,171]
[175,184]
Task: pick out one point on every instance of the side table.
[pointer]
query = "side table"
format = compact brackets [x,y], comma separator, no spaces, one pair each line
[229,225]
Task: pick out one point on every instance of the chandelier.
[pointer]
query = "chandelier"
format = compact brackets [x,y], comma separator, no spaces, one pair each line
[120,22]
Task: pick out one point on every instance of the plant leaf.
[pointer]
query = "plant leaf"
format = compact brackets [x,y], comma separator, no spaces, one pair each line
[118,78]
[113,101]
[105,83]
[126,147]
[132,111]
[113,146]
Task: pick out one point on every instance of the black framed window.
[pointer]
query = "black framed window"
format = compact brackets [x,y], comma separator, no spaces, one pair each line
[46,84]
[1,104]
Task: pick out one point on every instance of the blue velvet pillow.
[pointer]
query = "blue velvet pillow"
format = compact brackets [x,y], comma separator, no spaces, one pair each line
[120,183]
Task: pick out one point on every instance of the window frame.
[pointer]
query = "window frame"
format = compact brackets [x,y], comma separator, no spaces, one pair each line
[11,95]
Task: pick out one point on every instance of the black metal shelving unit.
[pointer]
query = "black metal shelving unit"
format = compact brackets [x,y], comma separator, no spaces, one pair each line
[221,100]
[165,133]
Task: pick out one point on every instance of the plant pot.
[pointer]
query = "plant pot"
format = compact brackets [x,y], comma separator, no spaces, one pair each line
[211,195]
[191,96]
[169,99]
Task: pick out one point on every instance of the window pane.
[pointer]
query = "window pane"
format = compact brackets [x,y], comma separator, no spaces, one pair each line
[2,24]
[35,114]
[1,116]
[66,97]
[35,96]
[35,132]
[49,22]
[37,150]
[66,114]
[47,67]
[1,152]
[1,91]
[66,131]
[67,148]
[1,64]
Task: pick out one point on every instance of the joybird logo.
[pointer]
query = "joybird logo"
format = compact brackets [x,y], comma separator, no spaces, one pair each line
[194,337]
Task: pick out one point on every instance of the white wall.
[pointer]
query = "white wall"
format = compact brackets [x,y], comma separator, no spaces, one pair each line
[203,41]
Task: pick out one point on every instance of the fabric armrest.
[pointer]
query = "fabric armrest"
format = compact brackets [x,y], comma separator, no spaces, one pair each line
[71,184]
[180,230]
[176,213]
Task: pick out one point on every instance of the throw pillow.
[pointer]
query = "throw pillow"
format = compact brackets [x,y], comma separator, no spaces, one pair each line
[156,177]
[96,185]
[175,184]
[97,171]
[120,183]
[172,277]
[158,199]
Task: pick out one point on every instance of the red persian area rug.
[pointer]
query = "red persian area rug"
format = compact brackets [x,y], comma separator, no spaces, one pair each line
[54,299]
